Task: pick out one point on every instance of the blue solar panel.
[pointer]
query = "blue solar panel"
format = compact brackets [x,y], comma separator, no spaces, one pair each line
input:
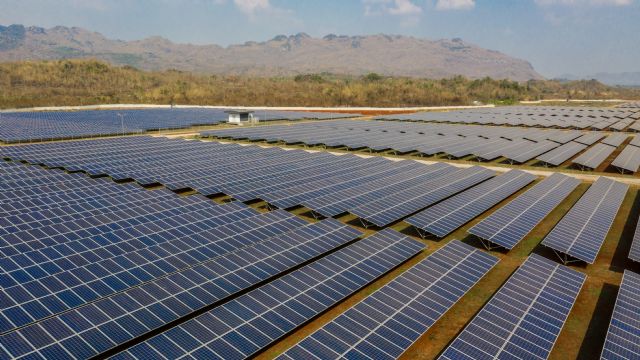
[37,126]
[524,318]
[241,327]
[333,204]
[582,231]
[445,217]
[388,209]
[283,178]
[623,337]
[88,330]
[510,224]
[386,323]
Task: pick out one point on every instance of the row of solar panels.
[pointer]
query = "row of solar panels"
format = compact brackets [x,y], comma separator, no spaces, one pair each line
[85,275]
[629,105]
[436,199]
[88,276]
[616,119]
[39,126]
[551,148]
[114,321]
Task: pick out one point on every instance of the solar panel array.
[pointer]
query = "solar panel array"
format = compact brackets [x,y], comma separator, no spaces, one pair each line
[246,325]
[386,323]
[508,225]
[524,318]
[88,264]
[285,177]
[516,145]
[582,231]
[623,337]
[442,219]
[39,126]
[534,116]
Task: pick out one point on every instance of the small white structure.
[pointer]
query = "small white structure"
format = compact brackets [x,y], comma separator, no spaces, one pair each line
[240,117]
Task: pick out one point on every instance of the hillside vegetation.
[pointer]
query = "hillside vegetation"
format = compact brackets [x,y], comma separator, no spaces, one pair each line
[86,82]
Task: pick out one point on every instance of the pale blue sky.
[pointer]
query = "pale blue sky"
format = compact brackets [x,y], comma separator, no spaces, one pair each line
[557,36]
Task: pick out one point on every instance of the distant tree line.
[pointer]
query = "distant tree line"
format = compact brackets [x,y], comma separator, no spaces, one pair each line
[87,82]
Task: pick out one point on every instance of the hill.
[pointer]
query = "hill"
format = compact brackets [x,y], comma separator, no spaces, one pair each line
[86,82]
[613,79]
[281,56]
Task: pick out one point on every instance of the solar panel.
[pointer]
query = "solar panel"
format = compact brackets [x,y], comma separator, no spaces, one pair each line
[634,253]
[628,159]
[583,229]
[445,217]
[93,328]
[511,223]
[524,318]
[615,139]
[528,152]
[595,156]
[623,337]
[386,210]
[386,323]
[635,141]
[246,325]
[561,154]
[589,138]
[339,202]
[38,126]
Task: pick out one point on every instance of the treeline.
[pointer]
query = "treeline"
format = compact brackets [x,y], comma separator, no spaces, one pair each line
[87,82]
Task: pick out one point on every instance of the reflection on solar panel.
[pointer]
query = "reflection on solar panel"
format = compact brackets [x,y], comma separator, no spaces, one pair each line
[623,337]
[628,159]
[244,326]
[386,323]
[510,224]
[443,218]
[561,154]
[595,156]
[583,229]
[119,312]
[386,210]
[524,318]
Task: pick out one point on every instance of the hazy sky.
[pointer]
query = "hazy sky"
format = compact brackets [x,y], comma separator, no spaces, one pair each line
[557,36]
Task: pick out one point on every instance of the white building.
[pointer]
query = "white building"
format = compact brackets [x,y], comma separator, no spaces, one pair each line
[240,117]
